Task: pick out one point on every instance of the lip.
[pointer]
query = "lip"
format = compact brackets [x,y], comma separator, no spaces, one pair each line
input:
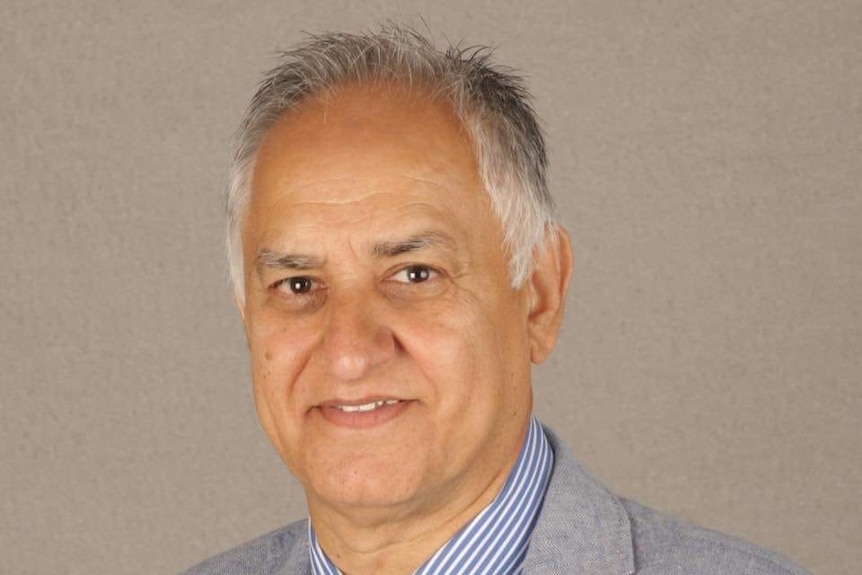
[358,415]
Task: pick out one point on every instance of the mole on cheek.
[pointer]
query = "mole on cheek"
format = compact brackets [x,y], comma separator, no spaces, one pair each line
[267,355]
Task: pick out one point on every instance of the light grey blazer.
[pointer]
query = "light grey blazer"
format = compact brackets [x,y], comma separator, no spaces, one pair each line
[583,529]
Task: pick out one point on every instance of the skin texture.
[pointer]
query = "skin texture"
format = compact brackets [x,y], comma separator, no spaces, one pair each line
[374,271]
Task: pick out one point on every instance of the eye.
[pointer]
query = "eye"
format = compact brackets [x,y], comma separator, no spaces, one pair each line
[298,285]
[414,274]
[299,293]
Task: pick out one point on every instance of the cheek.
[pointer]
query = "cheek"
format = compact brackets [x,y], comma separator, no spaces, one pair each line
[278,353]
[280,349]
[455,348]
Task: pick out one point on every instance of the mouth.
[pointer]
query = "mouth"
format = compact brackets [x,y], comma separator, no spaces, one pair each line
[365,407]
[362,414]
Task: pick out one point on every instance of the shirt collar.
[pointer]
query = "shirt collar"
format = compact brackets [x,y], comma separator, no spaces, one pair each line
[496,540]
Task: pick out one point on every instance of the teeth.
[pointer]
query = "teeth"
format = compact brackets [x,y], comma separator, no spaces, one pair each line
[366,406]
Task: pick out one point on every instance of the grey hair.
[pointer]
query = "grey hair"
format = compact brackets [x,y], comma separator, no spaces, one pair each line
[491,102]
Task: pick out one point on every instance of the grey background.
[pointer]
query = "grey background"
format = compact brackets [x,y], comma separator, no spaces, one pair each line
[705,156]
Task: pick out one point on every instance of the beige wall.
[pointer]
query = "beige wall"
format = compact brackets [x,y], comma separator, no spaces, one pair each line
[706,156]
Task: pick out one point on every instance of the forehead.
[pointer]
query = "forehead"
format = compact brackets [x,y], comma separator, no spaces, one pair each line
[364,131]
[366,150]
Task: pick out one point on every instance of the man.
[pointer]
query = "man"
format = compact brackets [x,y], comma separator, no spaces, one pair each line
[398,266]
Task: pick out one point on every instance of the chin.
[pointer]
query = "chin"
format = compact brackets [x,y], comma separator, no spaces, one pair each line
[367,493]
[366,484]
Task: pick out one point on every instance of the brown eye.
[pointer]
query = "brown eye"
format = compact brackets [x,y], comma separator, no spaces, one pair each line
[299,285]
[416,274]
[415,281]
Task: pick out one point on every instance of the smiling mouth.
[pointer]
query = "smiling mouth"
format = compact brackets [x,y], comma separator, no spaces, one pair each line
[366,415]
[370,406]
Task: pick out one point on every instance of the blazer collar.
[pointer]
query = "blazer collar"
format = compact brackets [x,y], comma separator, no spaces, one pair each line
[582,527]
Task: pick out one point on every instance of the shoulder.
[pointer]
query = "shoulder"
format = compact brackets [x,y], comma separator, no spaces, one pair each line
[284,550]
[664,544]
[584,528]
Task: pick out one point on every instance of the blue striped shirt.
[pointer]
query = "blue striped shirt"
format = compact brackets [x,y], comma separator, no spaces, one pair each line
[494,542]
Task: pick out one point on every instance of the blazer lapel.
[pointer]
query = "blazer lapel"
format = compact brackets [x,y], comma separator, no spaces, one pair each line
[582,528]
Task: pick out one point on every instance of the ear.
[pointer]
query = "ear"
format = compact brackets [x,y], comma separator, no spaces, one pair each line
[549,282]
[240,305]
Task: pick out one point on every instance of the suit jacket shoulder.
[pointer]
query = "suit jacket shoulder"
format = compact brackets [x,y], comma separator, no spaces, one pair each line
[584,528]
[664,545]
[280,552]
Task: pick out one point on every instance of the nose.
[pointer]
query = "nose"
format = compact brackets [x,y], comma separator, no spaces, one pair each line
[356,340]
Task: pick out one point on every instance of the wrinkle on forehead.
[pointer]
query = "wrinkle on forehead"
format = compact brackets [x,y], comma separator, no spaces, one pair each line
[430,228]
[427,200]
[400,184]
[297,223]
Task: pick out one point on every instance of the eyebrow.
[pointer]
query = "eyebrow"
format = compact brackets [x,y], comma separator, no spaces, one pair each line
[411,244]
[276,260]
[271,259]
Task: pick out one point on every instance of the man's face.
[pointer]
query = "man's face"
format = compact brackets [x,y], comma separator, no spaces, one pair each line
[390,354]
